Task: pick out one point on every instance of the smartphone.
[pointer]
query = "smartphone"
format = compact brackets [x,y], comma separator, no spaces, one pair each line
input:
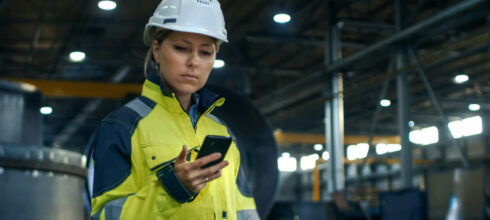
[214,144]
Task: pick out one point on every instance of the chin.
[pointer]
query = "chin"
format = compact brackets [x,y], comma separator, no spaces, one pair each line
[188,90]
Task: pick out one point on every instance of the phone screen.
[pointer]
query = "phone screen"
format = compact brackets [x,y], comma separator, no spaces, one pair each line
[213,144]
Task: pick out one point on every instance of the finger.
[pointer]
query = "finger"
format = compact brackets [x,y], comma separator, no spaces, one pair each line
[205,160]
[203,180]
[199,174]
[199,184]
[214,176]
[182,155]
[214,169]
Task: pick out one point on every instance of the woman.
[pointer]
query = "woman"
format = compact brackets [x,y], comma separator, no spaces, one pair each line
[145,152]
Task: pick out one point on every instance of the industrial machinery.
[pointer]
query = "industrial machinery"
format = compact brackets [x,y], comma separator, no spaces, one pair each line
[35,182]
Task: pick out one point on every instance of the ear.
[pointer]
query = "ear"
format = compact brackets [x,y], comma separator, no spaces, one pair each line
[155,46]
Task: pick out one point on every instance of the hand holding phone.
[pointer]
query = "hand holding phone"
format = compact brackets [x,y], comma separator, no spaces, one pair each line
[192,175]
[214,144]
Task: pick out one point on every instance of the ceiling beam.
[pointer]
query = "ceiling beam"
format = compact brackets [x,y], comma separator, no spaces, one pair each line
[401,35]
[251,69]
[274,101]
[70,89]
[131,24]
[313,42]
[366,26]
[308,138]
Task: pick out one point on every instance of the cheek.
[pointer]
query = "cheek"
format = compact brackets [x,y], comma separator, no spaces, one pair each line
[168,59]
[170,64]
[207,68]
[208,65]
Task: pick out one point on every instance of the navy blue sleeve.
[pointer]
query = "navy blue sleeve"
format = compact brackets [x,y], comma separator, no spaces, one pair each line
[112,150]
[112,157]
[173,186]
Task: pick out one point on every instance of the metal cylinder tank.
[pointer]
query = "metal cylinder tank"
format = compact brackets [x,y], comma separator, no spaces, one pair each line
[41,183]
[20,121]
[35,182]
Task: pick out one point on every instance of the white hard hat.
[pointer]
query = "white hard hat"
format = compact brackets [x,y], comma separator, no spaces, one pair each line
[194,16]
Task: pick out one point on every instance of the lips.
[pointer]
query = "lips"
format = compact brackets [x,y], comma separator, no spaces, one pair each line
[189,76]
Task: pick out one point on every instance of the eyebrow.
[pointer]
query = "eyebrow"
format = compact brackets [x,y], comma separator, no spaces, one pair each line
[188,42]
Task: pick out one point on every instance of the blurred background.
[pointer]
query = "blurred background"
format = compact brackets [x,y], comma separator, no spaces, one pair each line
[352,109]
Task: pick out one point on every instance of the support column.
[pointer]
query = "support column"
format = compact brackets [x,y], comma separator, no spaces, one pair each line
[486,126]
[334,107]
[403,99]
[403,119]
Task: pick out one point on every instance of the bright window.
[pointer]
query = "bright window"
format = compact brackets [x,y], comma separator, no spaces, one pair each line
[424,136]
[286,162]
[387,148]
[357,151]
[308,162]
[466,127]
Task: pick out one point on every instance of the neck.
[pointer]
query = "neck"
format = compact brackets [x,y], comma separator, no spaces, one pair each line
[185,101]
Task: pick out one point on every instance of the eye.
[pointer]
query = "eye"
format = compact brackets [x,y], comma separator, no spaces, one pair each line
[206,53]
[180,48]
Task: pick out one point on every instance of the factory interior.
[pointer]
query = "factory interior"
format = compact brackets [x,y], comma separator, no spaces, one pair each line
[341,109]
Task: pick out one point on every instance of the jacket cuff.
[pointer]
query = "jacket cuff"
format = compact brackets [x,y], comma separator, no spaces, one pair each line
[173,186]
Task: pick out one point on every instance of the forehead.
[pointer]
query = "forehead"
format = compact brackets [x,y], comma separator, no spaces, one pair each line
[193,38]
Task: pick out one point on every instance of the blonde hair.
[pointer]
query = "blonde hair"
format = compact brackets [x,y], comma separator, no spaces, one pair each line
[159,35]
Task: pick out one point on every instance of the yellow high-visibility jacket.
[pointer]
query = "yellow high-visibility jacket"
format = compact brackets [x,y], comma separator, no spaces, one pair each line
[134,150]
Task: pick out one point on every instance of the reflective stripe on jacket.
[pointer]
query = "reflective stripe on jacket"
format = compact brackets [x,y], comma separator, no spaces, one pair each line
[133,160]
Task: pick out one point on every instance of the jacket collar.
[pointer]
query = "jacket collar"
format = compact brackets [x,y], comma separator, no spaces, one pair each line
[153,89]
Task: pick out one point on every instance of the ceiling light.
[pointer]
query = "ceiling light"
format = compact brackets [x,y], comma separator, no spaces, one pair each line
[411,124]
[282,18]
[474,107]
[385,102]
[318,147]
[107,5]
[77,56]
[46,110]
[218,64]
[461,78]
[326,155]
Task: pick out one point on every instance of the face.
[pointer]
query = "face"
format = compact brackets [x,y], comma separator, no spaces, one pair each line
[185,60]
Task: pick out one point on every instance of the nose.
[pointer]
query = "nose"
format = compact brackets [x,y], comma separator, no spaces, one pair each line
[193,59]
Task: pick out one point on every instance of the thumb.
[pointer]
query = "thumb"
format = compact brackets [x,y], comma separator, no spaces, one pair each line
[182,155]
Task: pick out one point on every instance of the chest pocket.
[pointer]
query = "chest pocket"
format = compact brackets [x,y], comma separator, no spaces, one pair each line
[159,155]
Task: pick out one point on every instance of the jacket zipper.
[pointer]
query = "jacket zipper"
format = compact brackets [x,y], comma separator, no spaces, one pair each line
[209,110]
